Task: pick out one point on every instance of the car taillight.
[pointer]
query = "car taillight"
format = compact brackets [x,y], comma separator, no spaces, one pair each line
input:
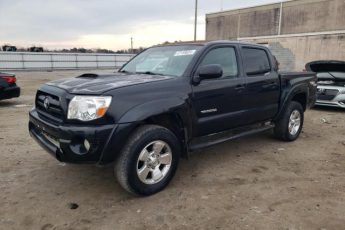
[10,79]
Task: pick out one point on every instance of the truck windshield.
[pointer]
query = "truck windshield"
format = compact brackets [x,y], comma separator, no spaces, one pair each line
[164,60]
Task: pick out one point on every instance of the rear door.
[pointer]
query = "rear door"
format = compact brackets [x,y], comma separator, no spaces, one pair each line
[262,84]
[218,102]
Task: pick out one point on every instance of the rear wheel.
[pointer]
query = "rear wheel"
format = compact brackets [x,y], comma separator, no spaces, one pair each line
[148,161]
[289,126]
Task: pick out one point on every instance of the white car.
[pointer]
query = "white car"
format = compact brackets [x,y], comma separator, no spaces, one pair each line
[331,82]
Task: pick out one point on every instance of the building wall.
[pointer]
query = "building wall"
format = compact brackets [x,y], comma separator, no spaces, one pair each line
[298,16]
[294,52]
[313,16]
[309,29]
[258,21]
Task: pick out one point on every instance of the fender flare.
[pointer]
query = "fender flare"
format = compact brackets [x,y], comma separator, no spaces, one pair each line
[297,89]
[156,107]
[131,119]
[175,106]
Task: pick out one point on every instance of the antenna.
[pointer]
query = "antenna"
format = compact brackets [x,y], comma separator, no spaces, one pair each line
[131,44]
[195,19]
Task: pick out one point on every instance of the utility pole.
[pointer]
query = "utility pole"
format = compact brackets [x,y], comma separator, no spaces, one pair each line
[195,19]
[221,5]
[131,44]
[280,18]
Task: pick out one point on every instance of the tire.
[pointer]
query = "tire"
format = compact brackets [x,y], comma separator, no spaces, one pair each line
[282,130]
[128,166]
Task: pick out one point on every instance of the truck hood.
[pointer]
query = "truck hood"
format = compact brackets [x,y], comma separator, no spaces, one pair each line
[98,84]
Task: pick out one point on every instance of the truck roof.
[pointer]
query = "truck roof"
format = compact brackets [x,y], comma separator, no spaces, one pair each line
[205,43]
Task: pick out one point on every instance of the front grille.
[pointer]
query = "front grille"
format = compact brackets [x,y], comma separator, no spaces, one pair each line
[326,94]
[49,104]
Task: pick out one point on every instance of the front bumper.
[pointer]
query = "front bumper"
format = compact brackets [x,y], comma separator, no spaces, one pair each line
[10,92]
[337,101]
[337,104]
[67,142]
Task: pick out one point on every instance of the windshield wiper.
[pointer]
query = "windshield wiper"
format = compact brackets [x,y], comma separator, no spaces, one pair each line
[124,71]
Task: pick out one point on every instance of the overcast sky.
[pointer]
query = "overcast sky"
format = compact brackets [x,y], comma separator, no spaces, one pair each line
[105,23]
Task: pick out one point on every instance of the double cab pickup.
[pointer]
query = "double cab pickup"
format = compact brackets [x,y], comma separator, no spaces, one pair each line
[166,102]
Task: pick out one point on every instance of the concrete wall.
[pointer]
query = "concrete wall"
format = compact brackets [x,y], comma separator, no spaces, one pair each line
[313,16]
[298,16]
[294,52]
[51,61]
[306,30]
[258,21]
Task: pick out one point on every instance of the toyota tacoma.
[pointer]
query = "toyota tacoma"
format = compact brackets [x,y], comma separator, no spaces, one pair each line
[166,102]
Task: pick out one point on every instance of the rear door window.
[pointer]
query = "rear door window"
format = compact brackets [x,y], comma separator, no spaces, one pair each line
[255,61]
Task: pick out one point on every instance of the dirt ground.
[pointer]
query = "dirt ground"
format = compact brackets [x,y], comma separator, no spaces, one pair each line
[253,183]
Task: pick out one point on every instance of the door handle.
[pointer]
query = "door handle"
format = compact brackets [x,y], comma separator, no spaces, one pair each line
[271,83]
[239,87]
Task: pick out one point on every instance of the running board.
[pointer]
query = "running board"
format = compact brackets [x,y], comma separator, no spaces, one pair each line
[214,139]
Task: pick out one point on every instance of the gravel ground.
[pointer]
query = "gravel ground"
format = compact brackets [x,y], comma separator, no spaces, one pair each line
[253,183]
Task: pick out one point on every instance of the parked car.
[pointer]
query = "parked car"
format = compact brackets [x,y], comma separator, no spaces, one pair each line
[9,48]
[197,95]
[331,82]
[8,86]
[35,49]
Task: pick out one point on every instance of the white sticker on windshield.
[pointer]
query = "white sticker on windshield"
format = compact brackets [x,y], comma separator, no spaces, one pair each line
[184,53]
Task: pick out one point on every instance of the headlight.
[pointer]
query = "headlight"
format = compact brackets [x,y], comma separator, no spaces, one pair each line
[87,108]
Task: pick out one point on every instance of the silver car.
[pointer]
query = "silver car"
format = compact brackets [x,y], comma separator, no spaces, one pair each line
[331,82]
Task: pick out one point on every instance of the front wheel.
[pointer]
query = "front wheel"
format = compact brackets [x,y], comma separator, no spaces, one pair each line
[148,161]
[289,126]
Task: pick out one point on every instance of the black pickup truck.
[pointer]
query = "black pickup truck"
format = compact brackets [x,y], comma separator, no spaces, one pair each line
[165,103]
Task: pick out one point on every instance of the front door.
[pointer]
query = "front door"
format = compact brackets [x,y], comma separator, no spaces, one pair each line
[217,103]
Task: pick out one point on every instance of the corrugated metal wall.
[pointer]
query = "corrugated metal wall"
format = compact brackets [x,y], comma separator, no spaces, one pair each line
[53,61]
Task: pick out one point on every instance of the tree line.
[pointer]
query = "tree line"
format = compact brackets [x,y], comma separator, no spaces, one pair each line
[11,48]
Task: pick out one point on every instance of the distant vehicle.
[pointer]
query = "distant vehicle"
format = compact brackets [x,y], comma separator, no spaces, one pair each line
[35,49]
[184,97]
[331,82]
[8,86]
[9,48]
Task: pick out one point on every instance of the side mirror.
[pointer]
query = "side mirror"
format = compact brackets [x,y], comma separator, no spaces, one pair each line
[210,71]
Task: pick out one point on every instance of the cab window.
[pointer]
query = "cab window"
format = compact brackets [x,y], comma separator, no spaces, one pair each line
[226,58]
[255,61]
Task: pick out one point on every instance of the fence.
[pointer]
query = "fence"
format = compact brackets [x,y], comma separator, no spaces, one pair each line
[55,61]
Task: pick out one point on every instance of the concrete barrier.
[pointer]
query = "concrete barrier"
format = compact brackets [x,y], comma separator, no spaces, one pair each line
[62,61]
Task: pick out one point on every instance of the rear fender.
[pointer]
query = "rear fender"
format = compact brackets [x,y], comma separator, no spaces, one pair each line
[288,95]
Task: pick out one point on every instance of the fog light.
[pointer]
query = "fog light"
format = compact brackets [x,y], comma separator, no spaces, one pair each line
[87,145]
